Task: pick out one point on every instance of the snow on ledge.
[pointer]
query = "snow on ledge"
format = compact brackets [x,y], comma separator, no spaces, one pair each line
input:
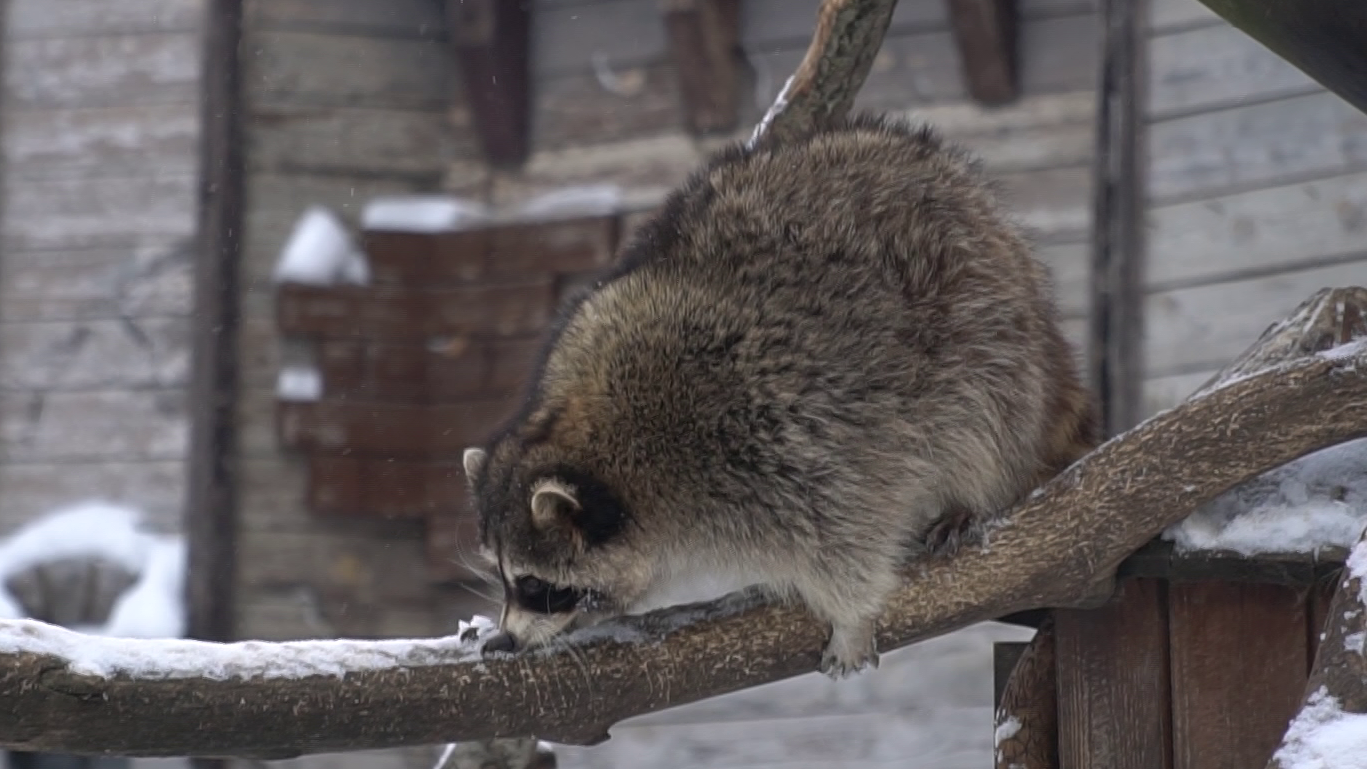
[178,659]
[1322,736]
[321,252]
[299,383]
[1315,502]
[422,213]
[566,202]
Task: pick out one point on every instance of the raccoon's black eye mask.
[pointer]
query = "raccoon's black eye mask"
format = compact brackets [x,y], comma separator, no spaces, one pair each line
[538,596]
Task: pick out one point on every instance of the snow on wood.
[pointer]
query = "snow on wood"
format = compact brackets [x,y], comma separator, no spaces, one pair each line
[566,202]
[164,659]
[320,251]
[1323,736]
[299,382]
[423,213]
[1315,502]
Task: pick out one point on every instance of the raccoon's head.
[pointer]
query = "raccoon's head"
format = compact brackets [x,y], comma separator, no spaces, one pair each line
[560,541]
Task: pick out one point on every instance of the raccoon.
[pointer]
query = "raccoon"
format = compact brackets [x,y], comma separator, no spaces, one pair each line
[821,359]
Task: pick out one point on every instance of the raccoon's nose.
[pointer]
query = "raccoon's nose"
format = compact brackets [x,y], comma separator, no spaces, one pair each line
[502,641]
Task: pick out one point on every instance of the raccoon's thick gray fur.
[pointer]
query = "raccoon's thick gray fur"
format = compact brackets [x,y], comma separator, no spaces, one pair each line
[813,355]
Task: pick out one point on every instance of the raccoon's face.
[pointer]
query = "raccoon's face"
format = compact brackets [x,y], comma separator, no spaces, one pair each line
[559,543]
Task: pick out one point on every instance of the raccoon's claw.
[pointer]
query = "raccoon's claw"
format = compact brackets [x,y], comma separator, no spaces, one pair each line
[844,657]
[948,533]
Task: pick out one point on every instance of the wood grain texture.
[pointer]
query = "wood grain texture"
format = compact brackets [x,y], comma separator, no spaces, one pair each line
[316,69]
[1113,682]
[1196,329]
[495,309]
[704,51]
[1257,232]
[393,18]
[90,142]
[1239,662]
[1030,700]
[362,141]
[1215,66]
[396,431]
[69,214]
[152,280]
[491,41]
[102,70]
[1175,15]
[1205,155]
[155,487]
[87,355]
[91,425]
[44,18]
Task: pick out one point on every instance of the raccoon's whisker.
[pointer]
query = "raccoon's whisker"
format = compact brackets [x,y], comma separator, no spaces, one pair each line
[490,596]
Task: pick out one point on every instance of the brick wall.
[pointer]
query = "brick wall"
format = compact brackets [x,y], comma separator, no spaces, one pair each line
[424,361]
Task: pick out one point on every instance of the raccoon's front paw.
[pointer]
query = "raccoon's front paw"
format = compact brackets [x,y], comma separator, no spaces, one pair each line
[848,652]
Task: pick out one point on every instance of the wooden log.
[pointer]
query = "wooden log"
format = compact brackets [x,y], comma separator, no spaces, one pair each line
[1325,39]
[1027,711]
[1052,550]
[822,90]
[985,32]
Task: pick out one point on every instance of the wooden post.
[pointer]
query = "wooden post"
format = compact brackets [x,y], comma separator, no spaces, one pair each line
[703,36]
[491,39]
[986,34]
[1113,696]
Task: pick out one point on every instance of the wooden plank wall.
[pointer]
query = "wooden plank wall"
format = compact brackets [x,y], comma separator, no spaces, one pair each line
[99,139]
[1257,195]
[345,100]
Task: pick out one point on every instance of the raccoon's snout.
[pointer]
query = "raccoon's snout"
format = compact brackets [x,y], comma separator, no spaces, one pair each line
[502,641]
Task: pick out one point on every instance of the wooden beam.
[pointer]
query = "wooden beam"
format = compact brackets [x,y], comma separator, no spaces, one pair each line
[1325,39]
[492,43]
[703,39]
[1115,361]
[986,34]
[210,519]
[211,500]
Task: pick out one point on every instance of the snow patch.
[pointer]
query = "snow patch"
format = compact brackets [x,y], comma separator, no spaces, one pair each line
[1006,730]
[585,200]
[1322,736]
[422,213]
[299,383]
[162,659]
[152,607]
[779,105]
[321,252]
[1355,567]
[1356,642]
[1317,501]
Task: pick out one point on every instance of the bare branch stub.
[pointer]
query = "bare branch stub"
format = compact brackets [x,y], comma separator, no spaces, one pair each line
[822,90]
[1049,552]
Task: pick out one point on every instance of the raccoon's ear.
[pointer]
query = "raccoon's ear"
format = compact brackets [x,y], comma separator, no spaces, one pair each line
[474,459]
[583,510]
[553,504]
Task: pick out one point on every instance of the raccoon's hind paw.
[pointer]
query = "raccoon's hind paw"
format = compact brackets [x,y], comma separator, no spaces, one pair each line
[952,530]
[848,652]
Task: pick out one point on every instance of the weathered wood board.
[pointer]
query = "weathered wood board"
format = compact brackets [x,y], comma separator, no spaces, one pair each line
[96,284]
[1200,328]
[1239,665]
[1210,154]
[102,70]
[1113,682]
[1213,66]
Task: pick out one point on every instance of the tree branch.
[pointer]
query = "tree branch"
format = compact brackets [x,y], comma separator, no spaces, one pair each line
[822,90]
[64,692]
[1338,680]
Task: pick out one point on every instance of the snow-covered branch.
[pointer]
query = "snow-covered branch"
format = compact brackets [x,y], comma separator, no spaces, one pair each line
[61,691]
[1331,729]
